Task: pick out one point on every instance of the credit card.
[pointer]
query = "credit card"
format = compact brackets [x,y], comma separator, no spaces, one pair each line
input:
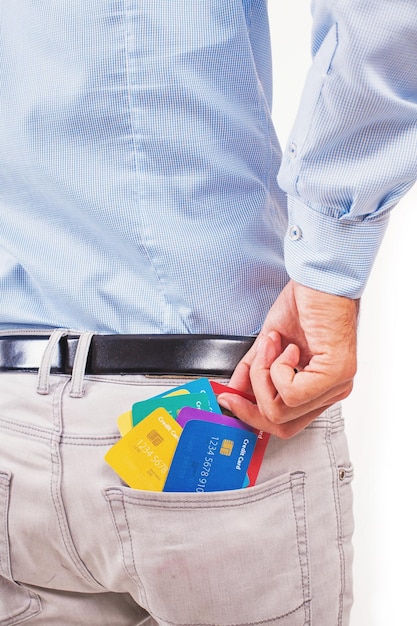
[143,456]
[257,456]
[141,409]
[199,385]
[219,388]
[263,437]
[187,413]
[210,457]
[173,404]
[124,422]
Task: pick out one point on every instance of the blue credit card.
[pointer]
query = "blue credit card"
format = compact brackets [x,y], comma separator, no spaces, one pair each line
[210,457]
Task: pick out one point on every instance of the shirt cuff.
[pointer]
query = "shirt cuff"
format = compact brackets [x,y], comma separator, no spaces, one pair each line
[330,254]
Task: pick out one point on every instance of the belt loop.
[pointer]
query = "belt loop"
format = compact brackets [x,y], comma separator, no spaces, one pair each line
[45,366]
[80,362]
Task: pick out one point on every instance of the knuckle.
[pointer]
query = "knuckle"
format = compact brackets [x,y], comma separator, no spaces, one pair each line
[289,398]
[272,414]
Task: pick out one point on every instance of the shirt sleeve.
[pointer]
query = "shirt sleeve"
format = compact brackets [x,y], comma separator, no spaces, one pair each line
[352,153]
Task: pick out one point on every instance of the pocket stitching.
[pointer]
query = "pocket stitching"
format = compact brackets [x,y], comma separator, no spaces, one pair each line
[201,501]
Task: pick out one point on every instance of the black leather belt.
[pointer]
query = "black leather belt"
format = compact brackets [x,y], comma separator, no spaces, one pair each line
[215,355]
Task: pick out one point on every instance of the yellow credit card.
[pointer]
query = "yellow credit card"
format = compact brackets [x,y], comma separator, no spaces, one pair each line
[142,457]
[124,422]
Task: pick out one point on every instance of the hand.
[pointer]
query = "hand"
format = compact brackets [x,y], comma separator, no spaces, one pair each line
[302,362]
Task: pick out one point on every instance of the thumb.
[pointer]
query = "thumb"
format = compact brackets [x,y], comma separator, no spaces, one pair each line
[288,361]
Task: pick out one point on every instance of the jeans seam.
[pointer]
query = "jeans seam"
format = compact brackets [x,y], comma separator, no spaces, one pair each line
[121,543]
[56,490]
[5,566]
[306,596]
[338,514]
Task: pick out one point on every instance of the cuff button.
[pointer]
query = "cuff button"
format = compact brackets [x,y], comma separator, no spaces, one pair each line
[295,233]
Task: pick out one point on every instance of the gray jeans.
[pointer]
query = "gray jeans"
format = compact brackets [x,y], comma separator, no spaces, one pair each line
[79,547]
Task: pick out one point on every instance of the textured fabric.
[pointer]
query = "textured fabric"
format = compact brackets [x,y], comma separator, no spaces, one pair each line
[138,161]
[138,166]
[78,547]
[352,153]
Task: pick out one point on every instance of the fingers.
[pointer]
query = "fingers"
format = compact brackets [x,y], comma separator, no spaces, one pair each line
[241,378]
[293,420]
[251,414]
[315,382]
[303,362]
[268,350]
[287,401]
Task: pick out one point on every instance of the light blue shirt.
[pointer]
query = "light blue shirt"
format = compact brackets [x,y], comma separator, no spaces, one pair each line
[139,164]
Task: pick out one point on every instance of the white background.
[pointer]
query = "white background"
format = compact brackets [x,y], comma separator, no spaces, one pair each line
[381,413]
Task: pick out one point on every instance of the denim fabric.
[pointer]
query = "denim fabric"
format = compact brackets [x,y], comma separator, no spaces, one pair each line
[79,547]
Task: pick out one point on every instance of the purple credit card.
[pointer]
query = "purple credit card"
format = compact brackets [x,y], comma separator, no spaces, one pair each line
[189,413]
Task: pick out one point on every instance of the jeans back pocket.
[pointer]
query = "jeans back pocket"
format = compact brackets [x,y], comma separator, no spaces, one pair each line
[234,557]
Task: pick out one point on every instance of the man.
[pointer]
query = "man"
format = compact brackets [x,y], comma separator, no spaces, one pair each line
[139,197]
